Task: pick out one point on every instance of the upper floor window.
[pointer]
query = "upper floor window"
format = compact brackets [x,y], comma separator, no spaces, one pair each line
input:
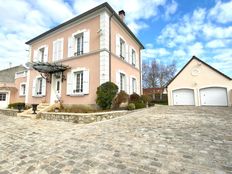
[58,49]
[79,44]
[122,49]
[41,54]
[22,89]
[133,57]
[122,82]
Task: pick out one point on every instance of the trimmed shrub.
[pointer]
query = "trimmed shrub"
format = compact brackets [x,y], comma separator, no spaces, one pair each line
[122,97]
[105,94]
[131,106]
[146,98]
[139,105]
[15,105]
[134,98]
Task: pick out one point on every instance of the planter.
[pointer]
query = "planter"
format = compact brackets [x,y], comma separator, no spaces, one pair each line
[34,108]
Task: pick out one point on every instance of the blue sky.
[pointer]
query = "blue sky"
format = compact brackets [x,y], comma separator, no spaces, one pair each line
[169,29]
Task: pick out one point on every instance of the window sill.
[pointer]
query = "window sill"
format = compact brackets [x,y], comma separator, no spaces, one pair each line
[22,95]
[38,96]
[77,95]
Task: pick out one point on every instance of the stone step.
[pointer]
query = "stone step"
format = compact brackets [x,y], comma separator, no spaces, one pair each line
[33,116]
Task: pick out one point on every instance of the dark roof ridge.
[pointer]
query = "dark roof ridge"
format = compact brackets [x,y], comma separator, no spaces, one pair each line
[105,4]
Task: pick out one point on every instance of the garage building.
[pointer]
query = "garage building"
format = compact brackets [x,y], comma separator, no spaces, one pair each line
[199,84]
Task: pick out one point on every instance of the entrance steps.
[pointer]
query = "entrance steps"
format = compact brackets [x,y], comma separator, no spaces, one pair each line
[42,107]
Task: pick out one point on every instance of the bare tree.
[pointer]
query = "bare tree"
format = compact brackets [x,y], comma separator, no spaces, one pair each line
[157,74]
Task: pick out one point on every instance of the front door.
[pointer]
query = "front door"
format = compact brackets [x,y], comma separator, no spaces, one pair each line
[3,100]
[56,89]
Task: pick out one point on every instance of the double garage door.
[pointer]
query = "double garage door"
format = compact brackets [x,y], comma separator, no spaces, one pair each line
[213,96]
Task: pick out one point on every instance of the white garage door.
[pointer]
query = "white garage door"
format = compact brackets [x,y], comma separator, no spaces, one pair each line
[214,96]
[3,100]
[183,97]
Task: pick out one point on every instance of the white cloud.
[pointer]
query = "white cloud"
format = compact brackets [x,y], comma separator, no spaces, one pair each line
[136,10]
[150,52]
[216,44]
[170,9]
[221,12]
[195,50]
[22,20]
[198,34]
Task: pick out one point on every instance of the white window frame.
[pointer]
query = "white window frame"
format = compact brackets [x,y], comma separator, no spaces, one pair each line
[58,47]
[133,57]
[122,84]
[37,54]
[122,48]
[81,46]
[72,82]
[38,86]
[81,82]
[133,85]
[23,91]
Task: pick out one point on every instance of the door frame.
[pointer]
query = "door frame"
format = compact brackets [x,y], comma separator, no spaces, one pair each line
[53,97]
[207,87]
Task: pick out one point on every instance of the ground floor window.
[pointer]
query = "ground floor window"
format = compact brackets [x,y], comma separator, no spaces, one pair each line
[122,82]
[2,96]
[133,85]
[39,86]
[78,76]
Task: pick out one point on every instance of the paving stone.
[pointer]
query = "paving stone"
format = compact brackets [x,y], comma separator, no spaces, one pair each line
[162,140]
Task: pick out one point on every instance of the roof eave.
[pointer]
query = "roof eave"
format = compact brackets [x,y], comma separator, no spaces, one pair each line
[83,15]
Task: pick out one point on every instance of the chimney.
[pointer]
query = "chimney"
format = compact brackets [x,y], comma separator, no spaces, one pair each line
[122,15]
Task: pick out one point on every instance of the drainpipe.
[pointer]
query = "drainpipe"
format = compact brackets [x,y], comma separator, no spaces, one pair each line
[110,46]
[140,71]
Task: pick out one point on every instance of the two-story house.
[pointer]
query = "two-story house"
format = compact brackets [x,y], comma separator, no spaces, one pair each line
[71,60]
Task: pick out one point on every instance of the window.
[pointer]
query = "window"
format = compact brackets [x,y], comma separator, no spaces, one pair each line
[58,86]
[133,56]
[58,49]
[122,82]
[39,86]
[122,49]
[2,96]
[79,44]
[41,54]
[133,85]
[23,89]
[78,82]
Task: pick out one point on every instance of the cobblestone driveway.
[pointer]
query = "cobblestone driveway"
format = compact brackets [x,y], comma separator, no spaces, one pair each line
[167,140]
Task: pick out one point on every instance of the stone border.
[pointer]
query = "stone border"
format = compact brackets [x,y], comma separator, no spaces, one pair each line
[81,118]
[9,112]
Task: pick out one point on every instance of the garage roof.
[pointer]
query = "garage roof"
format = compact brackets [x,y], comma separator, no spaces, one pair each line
[196,58]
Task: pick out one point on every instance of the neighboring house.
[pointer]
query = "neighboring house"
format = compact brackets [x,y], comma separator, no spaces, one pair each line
[12,85]
[156,93]
[79,55]
[200,84]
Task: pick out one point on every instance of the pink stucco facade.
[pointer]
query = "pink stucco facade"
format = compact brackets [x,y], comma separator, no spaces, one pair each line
[94,61]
